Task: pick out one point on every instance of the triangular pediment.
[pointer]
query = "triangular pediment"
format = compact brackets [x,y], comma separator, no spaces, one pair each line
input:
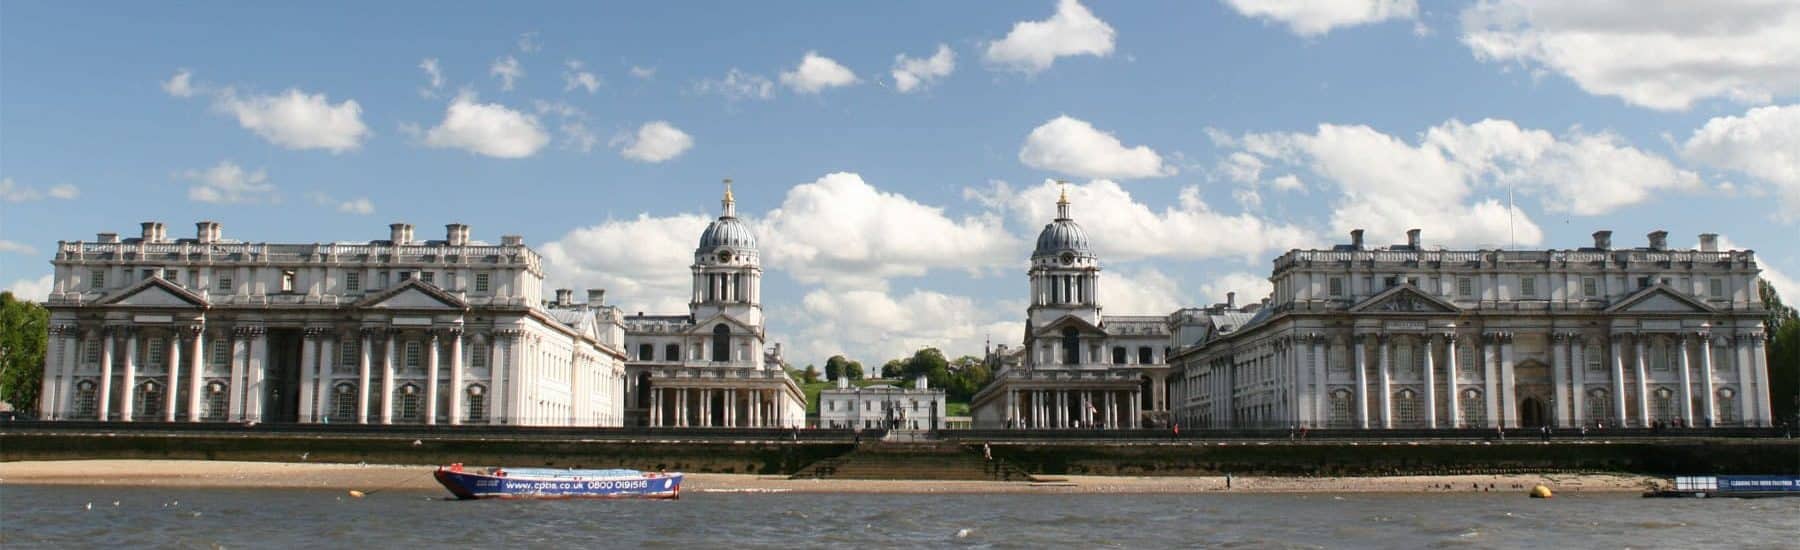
[155,292]
[1054,328]
[1405,299]
[1660,299]
[705,326]
[414,295]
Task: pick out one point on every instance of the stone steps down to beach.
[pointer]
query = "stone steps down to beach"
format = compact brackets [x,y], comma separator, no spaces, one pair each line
[902,461]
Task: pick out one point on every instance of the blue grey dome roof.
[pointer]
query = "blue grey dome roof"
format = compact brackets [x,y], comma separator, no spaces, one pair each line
[727,232]
[1060,236]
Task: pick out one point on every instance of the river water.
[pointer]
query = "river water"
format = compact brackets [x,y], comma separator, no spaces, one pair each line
[60,517]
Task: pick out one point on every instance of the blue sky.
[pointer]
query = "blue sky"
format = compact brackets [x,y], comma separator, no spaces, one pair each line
[1201,139]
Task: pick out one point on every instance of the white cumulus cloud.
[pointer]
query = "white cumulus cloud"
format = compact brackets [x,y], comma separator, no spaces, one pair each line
[360,205]
[912,73]
[1119,227]
[508,70]
[577,77]
[1073,146]
[1250,288]
[11,191]
[737,85]
[295,119]
[228,183]
[642,261]
[817,73]
[180,85]
[1662,55]
[1317,17]
[34,290]
[16,247]
[655,141]
[840,230]
[1033,46]
[433,75]
[873,326]
[1763,143]
[489,129]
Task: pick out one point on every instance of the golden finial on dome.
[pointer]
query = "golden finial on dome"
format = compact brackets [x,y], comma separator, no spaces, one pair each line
[1062,203]
[1065,192]
[729,202]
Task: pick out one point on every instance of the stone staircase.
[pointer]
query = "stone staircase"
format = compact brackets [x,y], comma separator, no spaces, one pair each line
[923,461]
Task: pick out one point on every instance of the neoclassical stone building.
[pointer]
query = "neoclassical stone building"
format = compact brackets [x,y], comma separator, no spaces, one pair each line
[1078,368]
[1405,337]
[898,407]
[708,368]
[395,331]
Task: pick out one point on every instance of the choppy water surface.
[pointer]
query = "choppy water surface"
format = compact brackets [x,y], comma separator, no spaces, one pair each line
[44,517]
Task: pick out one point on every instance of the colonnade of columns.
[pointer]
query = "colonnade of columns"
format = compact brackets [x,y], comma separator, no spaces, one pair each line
[1074,408]
[704,407]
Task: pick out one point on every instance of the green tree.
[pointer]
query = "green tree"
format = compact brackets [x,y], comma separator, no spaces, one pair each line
[853,370]
[834,367]
[931,364]
[893,368]
[1783,347]
[812,374]
[24,335]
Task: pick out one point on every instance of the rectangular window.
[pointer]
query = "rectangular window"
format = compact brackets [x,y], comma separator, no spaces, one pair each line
[1465,287]
[478,355]
[221,351]
[1716,287]
[148,273]
[1528,286]
[93,351]
[153,353]
[1390,282]
[97,278]
[450,281]
[352,353]
[412,355]
[1643,282]
[1414,281]
[428,276]
[481,282]
[1465,360]
[405,276]
[287,280]
[1590,288]
[172,275]
[1337,286]
[352,282]
[1594,358]
[225,283]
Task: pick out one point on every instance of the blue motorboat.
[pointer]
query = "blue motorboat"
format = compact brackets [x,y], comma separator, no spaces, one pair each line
[541,483]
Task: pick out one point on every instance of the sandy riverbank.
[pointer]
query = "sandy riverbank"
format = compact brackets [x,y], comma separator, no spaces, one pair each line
[223,474]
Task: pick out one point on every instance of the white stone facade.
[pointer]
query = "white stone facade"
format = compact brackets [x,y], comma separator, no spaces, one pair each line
[1404,337]
[709,368]
[1078,368]
[883,407]
[394,331]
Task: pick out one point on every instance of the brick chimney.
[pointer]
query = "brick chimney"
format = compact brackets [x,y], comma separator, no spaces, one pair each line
[1412,239]
[1709,242]
[596,297]
[512,240]
[1659,240]
[207,232]
[565,296]
[456,234]
[400,233]
[1603,239]
[1356,241]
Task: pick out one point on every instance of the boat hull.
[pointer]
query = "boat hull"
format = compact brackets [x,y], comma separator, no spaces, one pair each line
[475,485]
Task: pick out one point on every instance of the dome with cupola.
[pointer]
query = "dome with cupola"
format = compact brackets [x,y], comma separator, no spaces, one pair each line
[1062,235]
[727,232]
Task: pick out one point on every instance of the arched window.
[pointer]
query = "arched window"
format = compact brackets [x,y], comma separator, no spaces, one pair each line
[85,402]
[1071,343]
[646,352]
[475,403]
[1662,405]
[1474,409]
[1340,409]
[1598,409]
[147,401]
[1407,409]
[410,404]
[1145,356]
[343,402]
[672,352]
[1728,407]
[1118,355]
[216,401]
[721,343]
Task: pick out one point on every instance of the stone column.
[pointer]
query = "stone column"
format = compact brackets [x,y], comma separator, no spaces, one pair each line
[71,362]
[1759,371]
[257,373]
[1740,353]
[103,401]
[130,378]
[1321,409]
[51,386]
[1451,371]
[1687,383]
[1387,381]
[432,377]
[1618,382]
[171,396]
[1137,407]
[1643,382]
[196,373]
[1706,373]
[329,356]
[1509,395]
[362,376]
[1559,352]
[387,377]
[308,356]
[1431,390]
[1362,383]
[1578,361]
[456,376]
[1491,379]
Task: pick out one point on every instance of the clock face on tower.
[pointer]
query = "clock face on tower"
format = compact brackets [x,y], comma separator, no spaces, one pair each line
[724,256]
[1068,258]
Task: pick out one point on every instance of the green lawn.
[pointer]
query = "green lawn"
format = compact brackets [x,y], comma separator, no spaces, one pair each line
[957,408]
